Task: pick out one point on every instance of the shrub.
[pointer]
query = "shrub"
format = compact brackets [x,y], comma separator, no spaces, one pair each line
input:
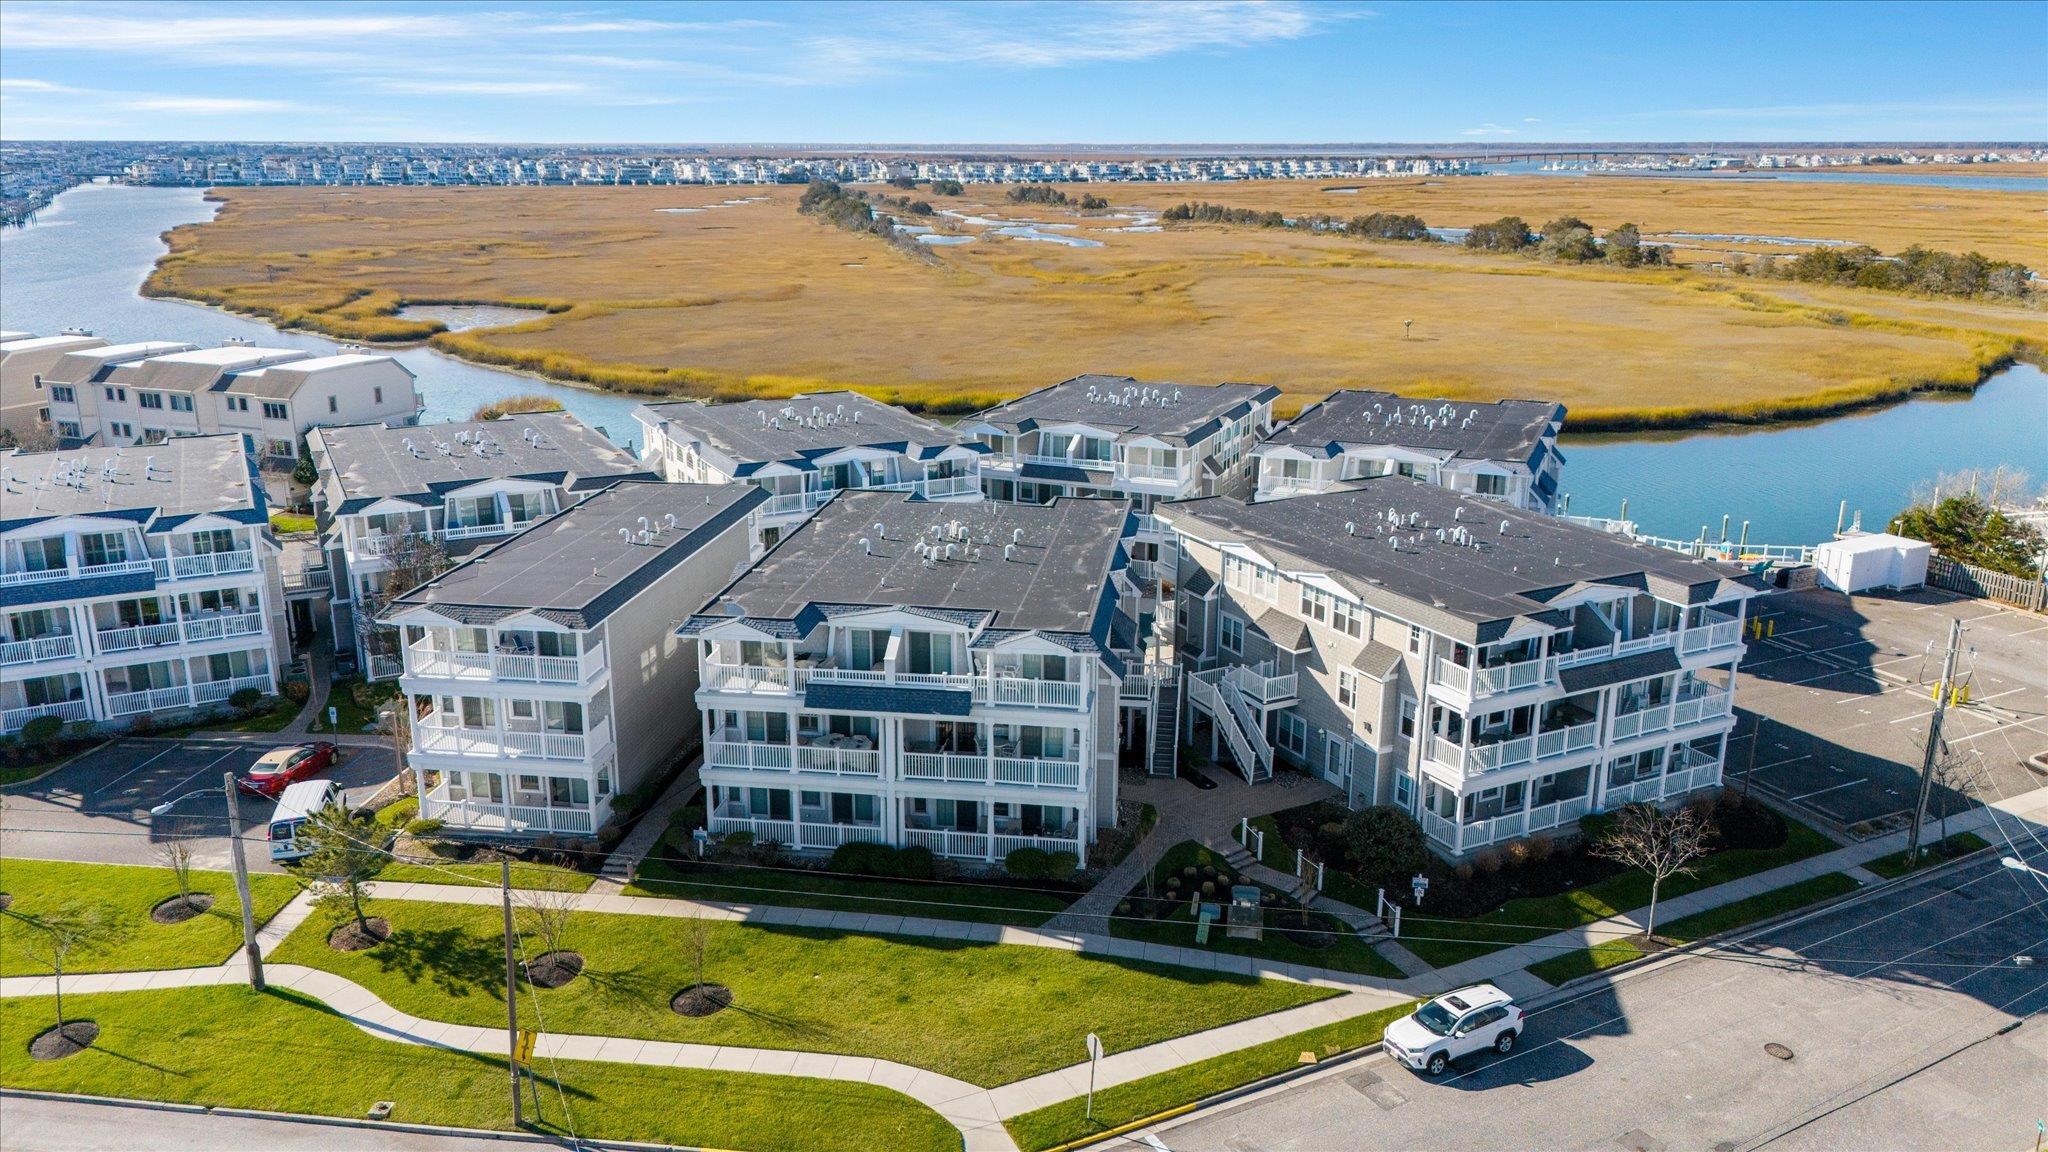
[1061,866]
[1594,826]
[1743,822]
[916,863]
[422,829]
[864,859]
[1464,870]
[1487,860]
[245,699]
[296,691]
[42,729]
[1384,846]
[399,812]
[1026,863]
[740,840]
[1541,846]
[1515,853]
[495,409]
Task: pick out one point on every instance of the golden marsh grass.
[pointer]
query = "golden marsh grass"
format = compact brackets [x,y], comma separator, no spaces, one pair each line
[754,299]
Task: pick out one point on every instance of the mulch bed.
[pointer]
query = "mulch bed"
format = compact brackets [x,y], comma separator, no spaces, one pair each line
[701,999]
[554,969]
[179,909]
[350,937]
[57,1043]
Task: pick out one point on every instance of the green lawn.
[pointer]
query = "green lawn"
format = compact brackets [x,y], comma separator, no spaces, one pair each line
[274,714]
[289,523]
[1443,942]
[1585,961]
[127,894]
[1348,954]
[353,714]
[230,1047]
[802,888]
[524,875]
[983,1013]
[1961,844]
[1139,1099]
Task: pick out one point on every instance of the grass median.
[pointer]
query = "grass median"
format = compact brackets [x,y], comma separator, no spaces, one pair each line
[1443,941]
[806,888]
[984,1013]
[231,1047]
[1700,925]
[124,894]
[1961,844]
[1136,1100]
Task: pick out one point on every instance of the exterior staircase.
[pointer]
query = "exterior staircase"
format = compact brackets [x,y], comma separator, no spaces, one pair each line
[1165,758]
[1235,722]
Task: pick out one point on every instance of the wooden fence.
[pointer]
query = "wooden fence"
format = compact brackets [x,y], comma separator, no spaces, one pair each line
[1985,584]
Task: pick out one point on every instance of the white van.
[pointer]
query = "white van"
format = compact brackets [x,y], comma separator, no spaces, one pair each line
[299,801]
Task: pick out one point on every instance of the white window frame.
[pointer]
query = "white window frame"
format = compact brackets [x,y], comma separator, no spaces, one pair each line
[1230,634]
[1347,690]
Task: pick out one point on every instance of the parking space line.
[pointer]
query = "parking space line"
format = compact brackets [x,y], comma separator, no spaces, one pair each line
[171,793]
[1830,788]
[2024,725]
[101,790]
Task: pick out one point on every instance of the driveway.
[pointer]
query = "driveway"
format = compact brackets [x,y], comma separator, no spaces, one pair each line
[97,807]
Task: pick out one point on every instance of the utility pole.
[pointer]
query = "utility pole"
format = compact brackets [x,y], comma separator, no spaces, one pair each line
[255,954]
[1942,688]
[511,997]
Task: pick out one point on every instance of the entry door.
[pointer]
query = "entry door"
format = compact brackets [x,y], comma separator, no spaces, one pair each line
[1336,757]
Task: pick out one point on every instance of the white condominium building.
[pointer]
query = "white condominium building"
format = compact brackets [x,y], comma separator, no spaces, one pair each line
[520,726]
[135,582]
[804,450]
[146,393]
[1504,451]
[1495,672]
[443,488]
[915,673]
[24,359]
[1115,436]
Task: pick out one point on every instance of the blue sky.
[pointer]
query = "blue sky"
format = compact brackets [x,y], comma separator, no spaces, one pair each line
[1029,73]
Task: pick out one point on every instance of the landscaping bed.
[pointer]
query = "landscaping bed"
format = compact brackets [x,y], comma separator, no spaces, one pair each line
[231,1047]
[1292,934]
[1961,844]
[130,898]
[355,702]
[1135,1100]
[1685,930]
[984,1013]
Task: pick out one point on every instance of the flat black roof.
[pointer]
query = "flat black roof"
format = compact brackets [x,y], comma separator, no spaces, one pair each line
[369,462]
[1470,590]
[575,568]
[801,426]
[1505,430]
[1053,582]
[181,477]
[1186,413]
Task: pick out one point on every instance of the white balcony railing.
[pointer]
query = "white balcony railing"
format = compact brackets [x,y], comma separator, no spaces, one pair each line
[39,575]
[423,659]
[478,531]
[513,819]
[763,831]
[996,690]
[759,757]
[965,845]
[718,676]
[1533,747]
[204,564]
[1718,632]
[1068,461]
[199,628]
[1262,682]
[138,636]
[1479,833]
[796,503]
[152,700]
[61,647]
[823,835]
[1005,844]
[12,719]
[431,736]
[1037,773]
[839,761]
[1617,647]
[1496,679]
[967,768]
[216,691]
[1156,473]
[1019,691]
[1677,714]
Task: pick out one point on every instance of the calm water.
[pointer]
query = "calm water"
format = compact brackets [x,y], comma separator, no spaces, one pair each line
[80,262]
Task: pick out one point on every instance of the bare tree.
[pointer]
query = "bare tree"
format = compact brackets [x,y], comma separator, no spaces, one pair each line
[1955,773]
[696,943]
[546,912]
[1662,844]
[415,557]
[72,927]
[176,854]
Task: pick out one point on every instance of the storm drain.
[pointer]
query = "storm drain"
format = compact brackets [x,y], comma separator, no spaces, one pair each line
[1779,1050]
[1371,1086]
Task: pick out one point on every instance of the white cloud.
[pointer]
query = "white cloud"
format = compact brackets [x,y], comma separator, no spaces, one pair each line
[152,30]
[482,87]
[1489,130]
[14,84]
[202,105]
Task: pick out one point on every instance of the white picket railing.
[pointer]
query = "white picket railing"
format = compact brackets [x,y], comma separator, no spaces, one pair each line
[1720,632]
[425,659]
[1678,713]
[764,831]
[839,761]
[12,719]
[215,691]
[967,845]
[62,647]
[512,819]
[1037,772]
[1263,682]
[67,572]
[833,835]
[954,767]
[152,700]
[1005,844]
[222,627]
[1533,747]
[136,636]
[204,564]
[759,757]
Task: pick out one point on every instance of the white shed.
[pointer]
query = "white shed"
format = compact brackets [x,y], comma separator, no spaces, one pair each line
[1879,560]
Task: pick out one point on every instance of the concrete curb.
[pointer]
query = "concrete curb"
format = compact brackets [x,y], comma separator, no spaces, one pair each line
[350,1122]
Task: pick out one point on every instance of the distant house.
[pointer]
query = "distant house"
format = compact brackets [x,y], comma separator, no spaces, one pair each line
[804,450]
[1504,451]
[454,487]
[24,360]
[1112,435]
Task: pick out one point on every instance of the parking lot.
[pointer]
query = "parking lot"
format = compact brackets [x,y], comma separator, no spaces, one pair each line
[1835,702]
[97,807]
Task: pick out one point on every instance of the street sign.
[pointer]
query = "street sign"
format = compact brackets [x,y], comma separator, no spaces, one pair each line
[527,1037]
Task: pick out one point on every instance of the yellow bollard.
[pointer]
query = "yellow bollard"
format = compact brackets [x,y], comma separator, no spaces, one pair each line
[1770,627]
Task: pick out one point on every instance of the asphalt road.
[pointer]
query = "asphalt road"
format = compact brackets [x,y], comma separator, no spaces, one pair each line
[1890,1006]
[32,1125]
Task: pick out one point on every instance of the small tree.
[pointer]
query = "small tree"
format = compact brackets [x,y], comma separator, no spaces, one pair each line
[696,944]
[1383,846]
[1662,844]
[176,855]
[546,911]
[344,858]
[415,557]
[305,473]
[72,927]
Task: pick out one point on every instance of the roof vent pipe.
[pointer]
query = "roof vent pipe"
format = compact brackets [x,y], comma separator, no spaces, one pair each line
[1503,527]
[867,546]
[1350,528]
[1016,536]
[1009,551]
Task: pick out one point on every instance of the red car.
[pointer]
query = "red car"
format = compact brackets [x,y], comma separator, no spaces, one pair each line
[281,766]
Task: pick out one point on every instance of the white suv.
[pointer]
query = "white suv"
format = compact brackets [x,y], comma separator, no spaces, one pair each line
[1453,1026]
